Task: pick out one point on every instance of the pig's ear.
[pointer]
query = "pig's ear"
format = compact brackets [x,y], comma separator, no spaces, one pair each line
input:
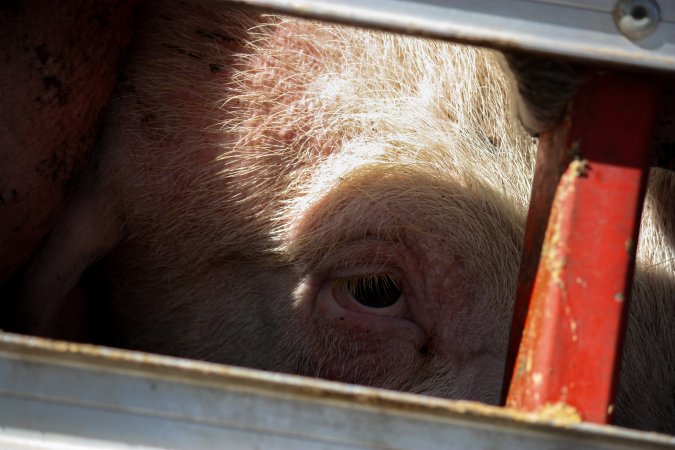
[49,300]
[541,88]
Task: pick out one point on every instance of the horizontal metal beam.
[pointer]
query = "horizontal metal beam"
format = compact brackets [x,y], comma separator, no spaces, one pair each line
[587,30]
[69,396]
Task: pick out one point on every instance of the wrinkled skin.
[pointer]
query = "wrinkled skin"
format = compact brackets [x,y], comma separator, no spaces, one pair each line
[58,68]
[319,200]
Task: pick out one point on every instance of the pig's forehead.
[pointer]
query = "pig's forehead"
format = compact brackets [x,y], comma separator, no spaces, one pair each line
[331,81]
[319,102]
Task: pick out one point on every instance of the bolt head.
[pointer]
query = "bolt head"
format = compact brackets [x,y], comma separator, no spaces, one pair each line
[636,19]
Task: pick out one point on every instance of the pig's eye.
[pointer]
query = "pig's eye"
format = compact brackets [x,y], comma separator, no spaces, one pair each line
[373,291]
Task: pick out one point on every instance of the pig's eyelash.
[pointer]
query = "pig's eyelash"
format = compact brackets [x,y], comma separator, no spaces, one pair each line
[379,290]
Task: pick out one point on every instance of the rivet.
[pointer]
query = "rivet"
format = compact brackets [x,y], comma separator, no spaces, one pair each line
[636,19]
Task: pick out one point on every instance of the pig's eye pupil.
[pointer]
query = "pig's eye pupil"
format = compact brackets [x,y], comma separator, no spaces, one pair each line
[374,291]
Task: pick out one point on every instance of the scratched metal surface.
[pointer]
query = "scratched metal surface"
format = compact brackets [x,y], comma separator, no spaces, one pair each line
[578,29]
[69,396]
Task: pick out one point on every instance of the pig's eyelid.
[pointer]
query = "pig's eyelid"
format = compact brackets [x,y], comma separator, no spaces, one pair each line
[360,256]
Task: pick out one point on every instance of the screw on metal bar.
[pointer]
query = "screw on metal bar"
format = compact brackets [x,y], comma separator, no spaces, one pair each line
[636,19]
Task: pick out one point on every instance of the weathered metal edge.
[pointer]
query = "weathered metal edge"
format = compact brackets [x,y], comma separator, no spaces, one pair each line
[452,21]
[204,374]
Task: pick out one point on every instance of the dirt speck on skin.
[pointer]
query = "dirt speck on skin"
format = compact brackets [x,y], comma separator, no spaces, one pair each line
[9,196]
[52,167]
[52,84]
[69,182]
[42,54]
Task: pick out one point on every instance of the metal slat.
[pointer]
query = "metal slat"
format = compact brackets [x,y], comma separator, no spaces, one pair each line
[583,30]
[81,395]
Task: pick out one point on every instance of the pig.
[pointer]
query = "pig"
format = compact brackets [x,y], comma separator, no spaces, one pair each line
[58,70]
[321,200]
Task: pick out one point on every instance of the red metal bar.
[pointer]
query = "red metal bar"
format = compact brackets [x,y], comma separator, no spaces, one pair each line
[571,346]
[553,157]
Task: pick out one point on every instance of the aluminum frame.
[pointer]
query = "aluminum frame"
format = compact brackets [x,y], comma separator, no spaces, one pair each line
[61,395]
[577,29]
